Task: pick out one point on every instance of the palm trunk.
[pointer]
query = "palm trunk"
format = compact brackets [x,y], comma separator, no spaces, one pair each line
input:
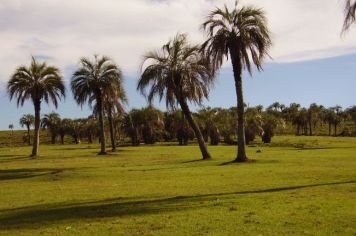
[335,129]
[112,131]
[101,126]
[237,68]
[206,155]
[36,137]
[329,129]
[28,135]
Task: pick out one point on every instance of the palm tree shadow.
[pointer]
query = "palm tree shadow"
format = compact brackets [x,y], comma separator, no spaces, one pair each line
[234,162]
[194,161]
[14,174]
[46,214]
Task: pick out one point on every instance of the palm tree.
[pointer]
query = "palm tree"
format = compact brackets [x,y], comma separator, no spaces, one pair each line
[114,102]
[180,74]
[350,14]
[38,82]
[52,122]
[27,120]
[91,82]
[243,35]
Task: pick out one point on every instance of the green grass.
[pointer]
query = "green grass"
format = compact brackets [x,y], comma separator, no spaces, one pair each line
[296,186]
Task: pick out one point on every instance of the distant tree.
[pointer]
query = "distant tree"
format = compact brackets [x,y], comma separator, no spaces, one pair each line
[180,74]
[132,125]
[242,35]
[207,117]
[114,101]
[27,120]
[226,124]
[350,14]
[351,111]
[38,82]
[337,117]
[90,128]
[177,127]
[270,123]
[64,128]
[52,122]
[91,82]
[253,124]
[314,116]
[11,127]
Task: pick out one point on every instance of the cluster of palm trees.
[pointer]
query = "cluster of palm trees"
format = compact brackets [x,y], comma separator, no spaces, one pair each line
[98,82]
[180,73]
[218,125]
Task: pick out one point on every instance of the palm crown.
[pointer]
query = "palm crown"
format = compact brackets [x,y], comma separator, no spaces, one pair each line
[93,78]
[176,72]
[350,14]
[37,82]
[242,31]
[27,120]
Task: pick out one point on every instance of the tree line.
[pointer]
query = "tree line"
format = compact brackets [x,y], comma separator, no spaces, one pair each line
[218,125]
[179,72]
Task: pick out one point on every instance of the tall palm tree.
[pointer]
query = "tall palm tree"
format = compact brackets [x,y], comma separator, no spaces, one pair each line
[350,14]
[242,34]
[27,120]
[91,82]
[180,74]
[38,82]
[52,122]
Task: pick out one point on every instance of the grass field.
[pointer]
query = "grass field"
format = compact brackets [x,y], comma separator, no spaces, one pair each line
[295,186]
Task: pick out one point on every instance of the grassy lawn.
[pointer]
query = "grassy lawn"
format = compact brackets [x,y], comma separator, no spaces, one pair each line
[295,186]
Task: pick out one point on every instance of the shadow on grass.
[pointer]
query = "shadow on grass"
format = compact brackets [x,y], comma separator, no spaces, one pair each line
[13,174]
[250,161]
[46,214]
[10,158]
[76,148]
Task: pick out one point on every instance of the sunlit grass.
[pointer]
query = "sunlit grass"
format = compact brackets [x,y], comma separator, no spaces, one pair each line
[295,186]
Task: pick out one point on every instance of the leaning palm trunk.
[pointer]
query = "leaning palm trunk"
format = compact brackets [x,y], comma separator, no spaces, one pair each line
[237,68]
[36,138]
[112,131]
[101,126]
[206,155]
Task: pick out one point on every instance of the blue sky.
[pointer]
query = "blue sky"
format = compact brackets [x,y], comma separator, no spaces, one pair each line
[328,82]
[311,61]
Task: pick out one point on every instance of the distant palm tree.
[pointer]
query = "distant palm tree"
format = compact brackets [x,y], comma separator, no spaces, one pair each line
[39,82]
[180,74]
[350,14]
[52,121]
[243,35]
[114,102]
[27,120]
[11,126]
[91,82]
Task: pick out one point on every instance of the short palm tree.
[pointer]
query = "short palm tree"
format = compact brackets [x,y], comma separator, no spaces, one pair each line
[242,35]
[27,120]
[38,82]
[52,122]
[180,74]
[91,82]
[350,14]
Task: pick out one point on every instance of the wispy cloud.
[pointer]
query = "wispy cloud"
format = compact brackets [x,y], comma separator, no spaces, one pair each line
[63,31]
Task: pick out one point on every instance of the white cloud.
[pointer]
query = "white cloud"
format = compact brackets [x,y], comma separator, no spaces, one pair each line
[63,31]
